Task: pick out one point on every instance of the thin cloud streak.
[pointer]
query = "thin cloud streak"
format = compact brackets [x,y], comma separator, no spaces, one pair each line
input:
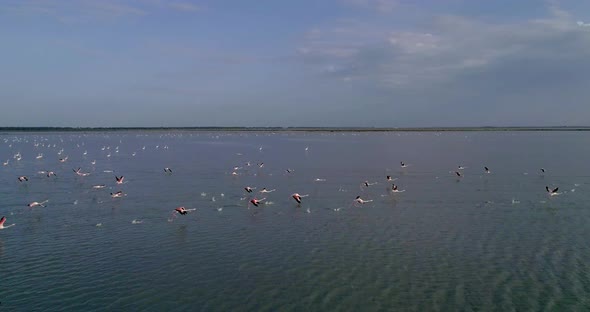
[381,6]
[184,6]
[471,71]
[451,45]
[92,10]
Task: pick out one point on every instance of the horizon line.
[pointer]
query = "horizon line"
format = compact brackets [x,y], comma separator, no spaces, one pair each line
[303,129]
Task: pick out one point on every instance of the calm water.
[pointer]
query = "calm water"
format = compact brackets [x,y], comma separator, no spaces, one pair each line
[482,242]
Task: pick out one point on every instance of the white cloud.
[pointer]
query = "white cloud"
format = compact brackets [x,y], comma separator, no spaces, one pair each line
[411,42]
[72,12]
[112,8]
[183,6]
[444,49]
[342,41]
[463,68]
[382,6]
[92,10]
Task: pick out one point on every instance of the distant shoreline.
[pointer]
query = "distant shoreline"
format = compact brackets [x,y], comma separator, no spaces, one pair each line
[288,129]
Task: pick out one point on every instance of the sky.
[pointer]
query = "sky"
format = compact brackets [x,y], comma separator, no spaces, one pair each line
[268,63]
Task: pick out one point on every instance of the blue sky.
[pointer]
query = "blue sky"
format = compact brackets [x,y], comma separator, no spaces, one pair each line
[382,63]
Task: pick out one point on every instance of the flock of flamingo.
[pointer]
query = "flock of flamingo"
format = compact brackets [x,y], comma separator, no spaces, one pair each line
[250,197]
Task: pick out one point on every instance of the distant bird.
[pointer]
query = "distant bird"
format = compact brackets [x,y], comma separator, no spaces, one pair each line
[35,204]
[80,173]
[395,189]
[458,174]
[100,186]
[256,202]
[2,221]
[118,194]
[461,167]
[63,159]
[542,170]
[487,169]
[552,192]
[264,190]
[167,170]
[48,173]
[119,179]
[22,178]
[359,200]
[403,165]
[249,189]
[298,197]
[367,183]
[181,210]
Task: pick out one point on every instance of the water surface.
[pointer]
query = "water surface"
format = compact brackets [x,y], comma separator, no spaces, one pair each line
[481,242]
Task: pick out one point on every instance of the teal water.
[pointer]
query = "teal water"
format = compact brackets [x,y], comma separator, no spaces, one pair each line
[485,242]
